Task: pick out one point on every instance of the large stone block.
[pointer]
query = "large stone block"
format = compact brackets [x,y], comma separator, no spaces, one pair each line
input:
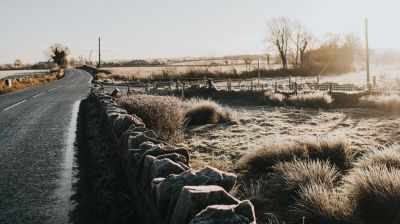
[243,213]
[161,149]
[134,141]
[194,199]
[168,191]
[124,121]
[155,168]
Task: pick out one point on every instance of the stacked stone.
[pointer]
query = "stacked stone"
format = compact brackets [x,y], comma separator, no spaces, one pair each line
[166,188]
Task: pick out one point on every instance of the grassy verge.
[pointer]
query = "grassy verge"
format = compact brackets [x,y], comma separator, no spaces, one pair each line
[29,82]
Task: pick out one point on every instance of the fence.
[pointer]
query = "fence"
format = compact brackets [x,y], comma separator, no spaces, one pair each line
[246,85]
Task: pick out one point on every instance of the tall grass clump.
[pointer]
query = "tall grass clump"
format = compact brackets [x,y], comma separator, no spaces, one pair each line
[388,156]
[262,160]
[389,103]
[275,99]
[310,100]
[374,193]
[288,177]
[333,149]
[201,111]
[163,114]
[320,204]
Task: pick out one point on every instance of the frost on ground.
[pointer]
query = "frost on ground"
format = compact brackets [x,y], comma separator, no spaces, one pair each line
[226,143]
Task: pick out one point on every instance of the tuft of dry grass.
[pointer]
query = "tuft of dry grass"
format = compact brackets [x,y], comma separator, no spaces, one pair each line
[200,111]
[389,103]
[219,163]
[374,193]
[310,100]
[275,99]
[388,156]
[252,190]
[264,158]
[332,149]
[288,177]
[163,114]
[320,204]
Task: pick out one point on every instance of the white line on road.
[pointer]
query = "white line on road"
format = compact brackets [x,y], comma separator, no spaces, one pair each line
[60,86]
[37,95]
[14,105]
[52,89]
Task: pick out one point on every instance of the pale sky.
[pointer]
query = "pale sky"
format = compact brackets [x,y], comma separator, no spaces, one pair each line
[132,29]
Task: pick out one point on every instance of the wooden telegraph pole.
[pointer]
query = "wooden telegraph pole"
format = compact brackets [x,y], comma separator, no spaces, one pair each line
[259,75]
[98,65]
[367,51]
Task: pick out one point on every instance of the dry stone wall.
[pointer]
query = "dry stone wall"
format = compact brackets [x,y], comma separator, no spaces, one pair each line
[165,187]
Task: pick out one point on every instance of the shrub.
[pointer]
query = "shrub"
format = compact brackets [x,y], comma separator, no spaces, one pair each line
[320,204]
[163,114]
[200,111]
[333,149]
[388,156]
[374,193]
[341,99]
[287,177]
[275,99]
[263,159]
[310,100]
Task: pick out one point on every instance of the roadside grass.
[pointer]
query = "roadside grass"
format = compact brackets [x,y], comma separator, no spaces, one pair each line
[29,82]
[201,111]
[163,114]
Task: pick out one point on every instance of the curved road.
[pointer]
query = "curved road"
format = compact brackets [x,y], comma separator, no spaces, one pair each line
[37,133]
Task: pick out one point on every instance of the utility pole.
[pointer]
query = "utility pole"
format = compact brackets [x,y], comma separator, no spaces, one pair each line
[367,50]
[98,65]
[259,75]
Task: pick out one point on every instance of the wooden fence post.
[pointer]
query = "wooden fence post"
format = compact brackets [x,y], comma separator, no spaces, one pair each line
[177,84]
[251,86]
[331,87]
[9,83]
[295,88]
[276,86]
[146,90]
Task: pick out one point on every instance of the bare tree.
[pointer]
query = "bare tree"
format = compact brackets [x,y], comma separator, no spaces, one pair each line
[58,53]
[279,32]
[247,61]
[352,45]
[17,63]
[301,42]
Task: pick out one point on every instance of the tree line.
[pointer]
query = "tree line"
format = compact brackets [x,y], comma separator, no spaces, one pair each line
[297,48]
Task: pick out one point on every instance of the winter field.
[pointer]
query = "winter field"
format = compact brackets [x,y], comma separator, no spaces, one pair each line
[15,73]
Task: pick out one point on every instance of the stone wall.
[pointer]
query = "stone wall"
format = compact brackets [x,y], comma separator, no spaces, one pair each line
[165,187]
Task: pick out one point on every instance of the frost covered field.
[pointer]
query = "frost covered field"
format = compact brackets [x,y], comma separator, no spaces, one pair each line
[261,125]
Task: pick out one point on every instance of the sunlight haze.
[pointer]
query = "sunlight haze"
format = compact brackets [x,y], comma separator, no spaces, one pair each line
[177,28]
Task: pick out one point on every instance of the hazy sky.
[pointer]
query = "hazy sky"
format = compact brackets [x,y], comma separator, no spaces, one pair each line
[175,28]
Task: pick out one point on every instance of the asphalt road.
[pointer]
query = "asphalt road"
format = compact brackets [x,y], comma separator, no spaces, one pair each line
[37,134]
